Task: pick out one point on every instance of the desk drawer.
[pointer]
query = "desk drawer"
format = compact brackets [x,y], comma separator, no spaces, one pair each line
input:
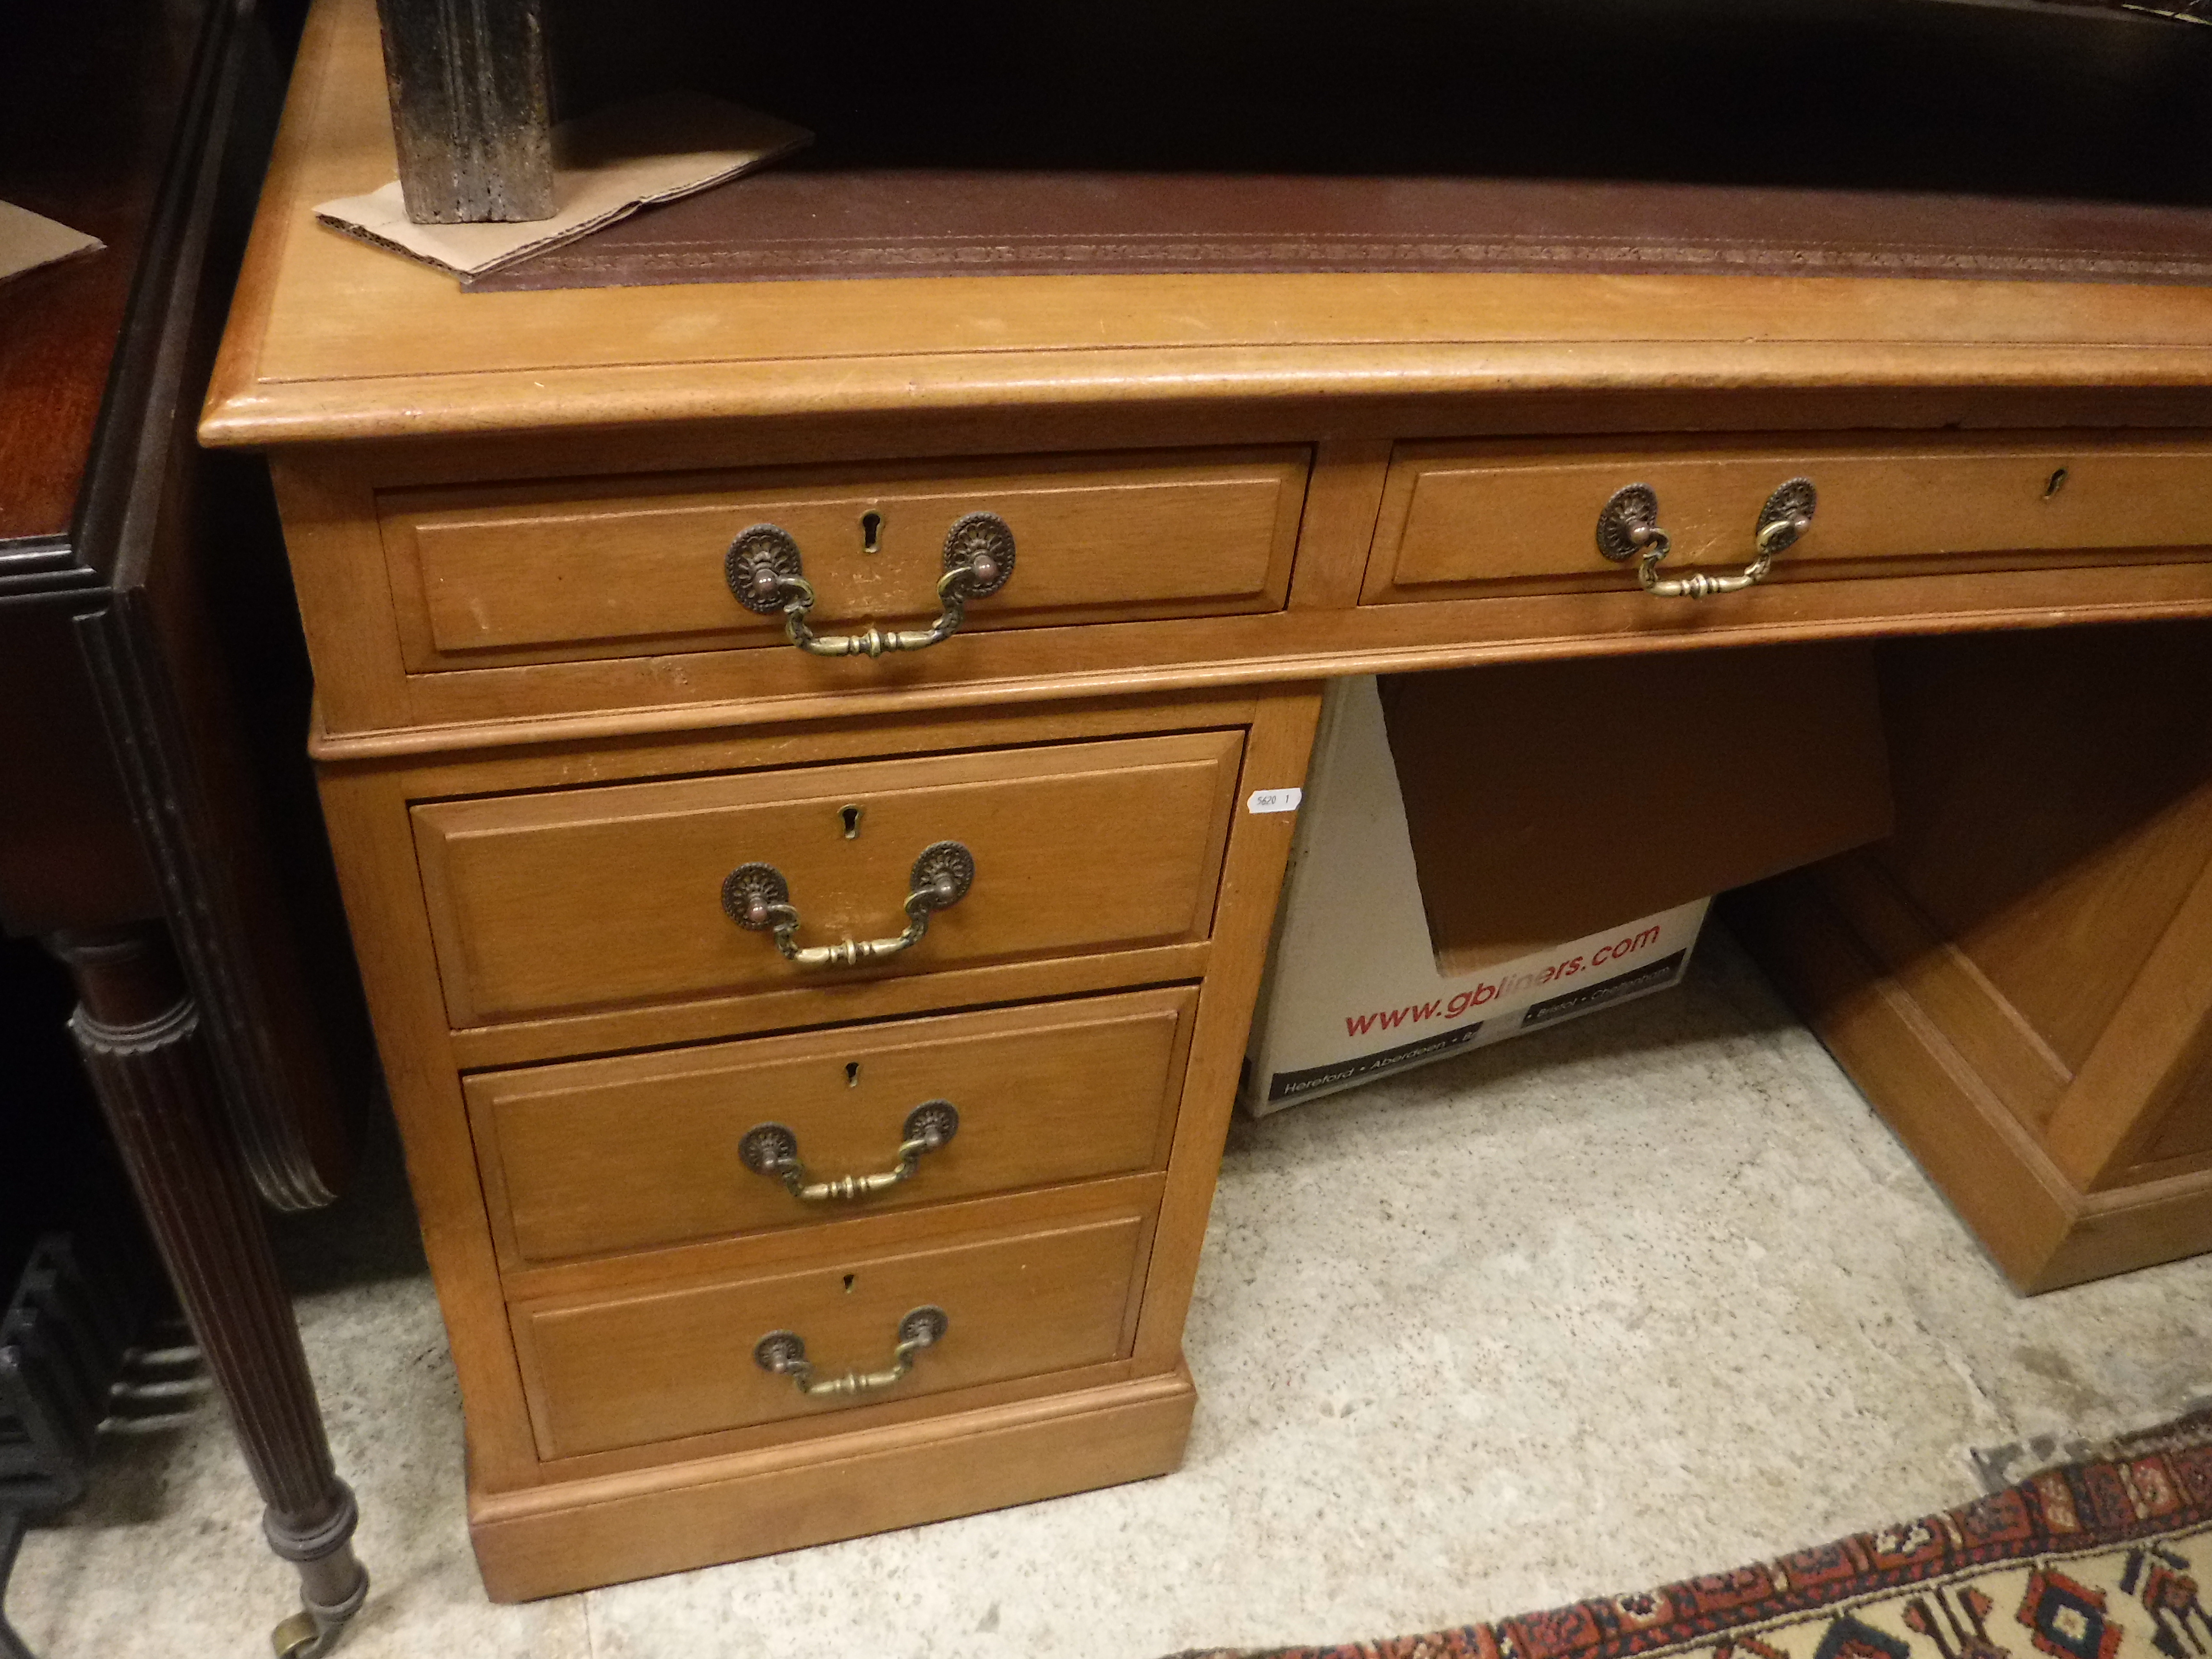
[642,1150]
[581,898]
[1460,520]
[535,573]
[660,1366]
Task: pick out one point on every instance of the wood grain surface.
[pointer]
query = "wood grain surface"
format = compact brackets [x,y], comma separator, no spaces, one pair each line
[1597,792]
[2021,975]
[640,1149]
[373,834]
[680,1361]
[626,567]
[572,901]
[546,738]
[599,1531]
[2042,1229]
[1474,517]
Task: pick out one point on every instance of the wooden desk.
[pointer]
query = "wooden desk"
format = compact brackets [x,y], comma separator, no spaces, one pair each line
[559,755]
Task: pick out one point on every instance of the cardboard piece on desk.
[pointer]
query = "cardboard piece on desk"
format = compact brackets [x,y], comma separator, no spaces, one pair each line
[29,240]
[605,166]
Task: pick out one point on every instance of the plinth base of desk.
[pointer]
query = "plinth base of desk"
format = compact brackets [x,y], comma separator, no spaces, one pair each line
[2042,1230]
[580,1535]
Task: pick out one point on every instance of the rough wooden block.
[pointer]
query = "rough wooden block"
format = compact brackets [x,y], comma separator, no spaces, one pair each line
[470,108]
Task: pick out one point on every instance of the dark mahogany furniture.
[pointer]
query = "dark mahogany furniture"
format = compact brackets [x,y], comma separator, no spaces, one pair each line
[129,813]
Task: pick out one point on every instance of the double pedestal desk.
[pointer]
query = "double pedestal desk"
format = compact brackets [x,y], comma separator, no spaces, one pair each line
[791,748]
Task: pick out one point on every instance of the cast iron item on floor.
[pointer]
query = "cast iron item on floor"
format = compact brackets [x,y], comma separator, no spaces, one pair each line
[67,1339]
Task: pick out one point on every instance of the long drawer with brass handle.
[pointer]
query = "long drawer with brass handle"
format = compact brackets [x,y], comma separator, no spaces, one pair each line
[586,898]
[1499,517]
[604,1372]
[637,1150]
[495,574]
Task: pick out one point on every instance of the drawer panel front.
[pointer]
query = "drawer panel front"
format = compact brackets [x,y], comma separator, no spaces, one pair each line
[582,898]
[1459,517]
[661,1366]
[646,1150]
[540,572]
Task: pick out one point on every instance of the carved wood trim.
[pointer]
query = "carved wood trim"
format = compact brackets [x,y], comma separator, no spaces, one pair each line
[140,1036]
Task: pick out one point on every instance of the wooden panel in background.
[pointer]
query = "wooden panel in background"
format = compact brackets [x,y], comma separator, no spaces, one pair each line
[2054,805]
[2043,1231]
[1548,800]
[2144,1082]
[1993,1036]
[2186,1129]
[2020,978]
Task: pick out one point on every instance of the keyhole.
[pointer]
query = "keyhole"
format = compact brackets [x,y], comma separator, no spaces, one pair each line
[850,816]
[848,1281]
[852,1073]
[872,530]
[2058,483]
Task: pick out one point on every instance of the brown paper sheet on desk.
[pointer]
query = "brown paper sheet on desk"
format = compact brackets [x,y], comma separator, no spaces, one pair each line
[605,166]
[29,240]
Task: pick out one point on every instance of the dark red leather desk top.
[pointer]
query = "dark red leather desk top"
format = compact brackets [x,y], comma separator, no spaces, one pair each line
[802,223]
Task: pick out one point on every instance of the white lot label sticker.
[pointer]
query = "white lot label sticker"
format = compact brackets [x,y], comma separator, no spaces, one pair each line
[1274,800]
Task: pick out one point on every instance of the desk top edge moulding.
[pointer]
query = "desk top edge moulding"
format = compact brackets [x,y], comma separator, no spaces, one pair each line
[328,345]
[733,700]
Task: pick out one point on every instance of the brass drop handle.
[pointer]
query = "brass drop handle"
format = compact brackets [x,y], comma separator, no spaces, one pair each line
[772,1149]
[765,571]
[1628,528]
[784,1353]
[757,896]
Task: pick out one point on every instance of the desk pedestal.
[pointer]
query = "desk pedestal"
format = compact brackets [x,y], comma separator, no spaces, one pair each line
[2020,977]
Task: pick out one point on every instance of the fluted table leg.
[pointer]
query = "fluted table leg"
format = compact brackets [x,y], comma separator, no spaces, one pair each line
[138,1032]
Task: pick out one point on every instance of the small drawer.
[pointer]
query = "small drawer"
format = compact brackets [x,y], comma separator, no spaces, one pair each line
[1460,520]
[627,1370]
[490,574]
[641,1150]
[583,899]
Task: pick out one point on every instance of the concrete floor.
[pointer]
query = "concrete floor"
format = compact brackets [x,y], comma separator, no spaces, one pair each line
[1647,1295]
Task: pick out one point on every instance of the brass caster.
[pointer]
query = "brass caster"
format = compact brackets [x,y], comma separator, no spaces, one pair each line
[313,1632]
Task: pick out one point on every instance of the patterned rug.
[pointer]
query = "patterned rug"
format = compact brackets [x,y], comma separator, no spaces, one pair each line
[2099,1559]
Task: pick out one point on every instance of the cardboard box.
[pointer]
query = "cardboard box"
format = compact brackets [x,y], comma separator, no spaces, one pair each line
[1487,851]
[1354,991]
